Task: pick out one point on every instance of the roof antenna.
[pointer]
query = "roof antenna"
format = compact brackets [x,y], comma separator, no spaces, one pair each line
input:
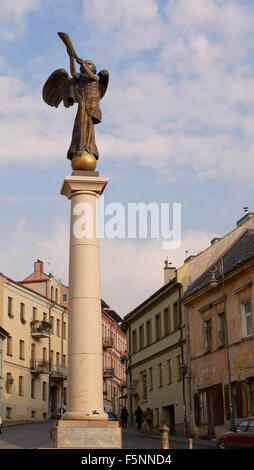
[49,265]
[246,210]
[167,263]
[186,254]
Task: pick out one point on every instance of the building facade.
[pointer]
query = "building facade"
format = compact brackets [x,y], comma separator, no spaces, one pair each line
[219,309]
[114,363]
[35,354]
[3,336]
[157,355]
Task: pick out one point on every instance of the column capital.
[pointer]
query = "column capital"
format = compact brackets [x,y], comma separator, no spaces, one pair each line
[74,183]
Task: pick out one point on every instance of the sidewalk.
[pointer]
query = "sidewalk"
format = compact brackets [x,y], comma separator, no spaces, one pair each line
[7,424]
[180,439]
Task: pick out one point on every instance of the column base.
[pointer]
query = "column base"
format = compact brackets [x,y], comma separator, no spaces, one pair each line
[86,434]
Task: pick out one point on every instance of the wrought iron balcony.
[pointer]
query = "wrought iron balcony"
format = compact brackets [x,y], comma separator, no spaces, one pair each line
[40,329]
[107,342]
[39,366]
[108,373]
[58,372]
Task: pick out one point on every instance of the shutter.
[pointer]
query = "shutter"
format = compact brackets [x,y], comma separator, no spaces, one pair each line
[226,396]
[244,399]
[239,400]
[196,408]
[218,406]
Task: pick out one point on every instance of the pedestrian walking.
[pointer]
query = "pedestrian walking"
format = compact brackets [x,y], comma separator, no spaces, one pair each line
[149,418]
[139,417]
[124,417]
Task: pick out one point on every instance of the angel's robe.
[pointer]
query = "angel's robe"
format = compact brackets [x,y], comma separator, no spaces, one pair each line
[87,93]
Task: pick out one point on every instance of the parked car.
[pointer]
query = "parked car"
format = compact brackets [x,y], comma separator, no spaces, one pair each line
[112,417]
[239,437]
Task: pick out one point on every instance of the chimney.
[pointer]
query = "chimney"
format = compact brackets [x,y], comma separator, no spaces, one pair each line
[215,240]
[248,215]
[169,272]
[38,266]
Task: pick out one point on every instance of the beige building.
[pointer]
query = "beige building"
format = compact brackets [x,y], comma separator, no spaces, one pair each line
[157,357]
[35,352]
[35,314]
[219,310]
[3,336]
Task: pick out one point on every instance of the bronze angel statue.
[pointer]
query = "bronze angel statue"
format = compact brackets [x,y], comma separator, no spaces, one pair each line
[85,88]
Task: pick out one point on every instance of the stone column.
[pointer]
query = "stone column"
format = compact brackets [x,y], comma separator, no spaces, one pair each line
[85,424]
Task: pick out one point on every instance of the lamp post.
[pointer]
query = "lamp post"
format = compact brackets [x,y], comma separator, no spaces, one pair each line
[214,283]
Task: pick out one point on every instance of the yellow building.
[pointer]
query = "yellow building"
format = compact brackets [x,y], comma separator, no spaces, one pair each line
[157,357]
[35,352]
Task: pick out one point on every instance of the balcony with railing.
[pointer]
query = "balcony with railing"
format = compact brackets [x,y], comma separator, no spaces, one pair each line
[58,372]
[40,329]
[108,373]
[107,342]
[39,366]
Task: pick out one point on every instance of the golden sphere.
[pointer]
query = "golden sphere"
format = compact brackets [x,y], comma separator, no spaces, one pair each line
[84,162]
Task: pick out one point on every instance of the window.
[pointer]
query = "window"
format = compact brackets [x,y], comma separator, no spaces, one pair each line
[208,335]
[8,412]
[64,360]
[34,313]
[33,391]
[251,389]
[158,326]
[44,354]
[134,341]
[141,337]
[33,351]
[221,329]
[144,385]
[44,415]
[52,293]
[44,316]
[246,319]
[22,312]
[241,427]
[160,375]
[178,367]
[52,321]
[65,297]
[52,356]
[203,407]
[58,327]
[21,386]
[176,315]
[56,295]
[65,396]
[9,346]
[148,333]
[250,425]
[58,359]
[166,321]
[10,307]
[21,350]
[33,414]
[150,378]
[44,391]
[64,330]
[9,382]
[169,371]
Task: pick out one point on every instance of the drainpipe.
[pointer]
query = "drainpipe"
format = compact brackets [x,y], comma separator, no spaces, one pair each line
[183,372]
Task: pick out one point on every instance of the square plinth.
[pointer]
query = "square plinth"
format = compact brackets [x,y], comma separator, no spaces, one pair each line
[86,434]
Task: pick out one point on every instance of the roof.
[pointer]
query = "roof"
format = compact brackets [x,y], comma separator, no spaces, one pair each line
[113,315]
[237,255]
[3,332]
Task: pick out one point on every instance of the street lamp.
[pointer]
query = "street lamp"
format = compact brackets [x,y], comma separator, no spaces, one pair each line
[214,283]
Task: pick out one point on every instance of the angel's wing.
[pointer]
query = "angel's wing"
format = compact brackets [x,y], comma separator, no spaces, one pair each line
[53,90]
[103,81]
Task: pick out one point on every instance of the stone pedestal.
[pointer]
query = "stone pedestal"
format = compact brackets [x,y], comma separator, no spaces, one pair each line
[84,424]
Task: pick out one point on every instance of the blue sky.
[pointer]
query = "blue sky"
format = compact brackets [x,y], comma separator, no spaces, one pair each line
[178,126]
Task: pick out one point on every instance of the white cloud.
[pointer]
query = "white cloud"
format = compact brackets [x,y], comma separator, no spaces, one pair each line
[130,271]
[13,16]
